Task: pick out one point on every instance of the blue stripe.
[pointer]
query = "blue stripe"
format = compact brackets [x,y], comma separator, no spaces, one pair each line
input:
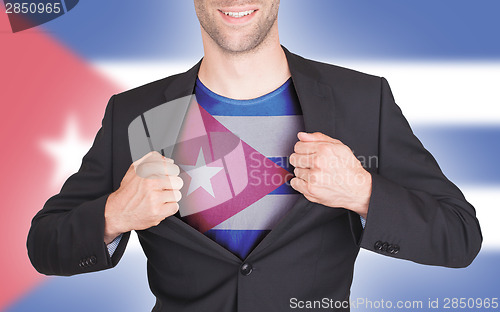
[240,242]
[280,102]
[355,29]
[467,155]
[283,162]
[284,189]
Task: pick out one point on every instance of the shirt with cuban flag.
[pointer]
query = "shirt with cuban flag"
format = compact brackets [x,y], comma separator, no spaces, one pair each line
[235,165]
[233,156]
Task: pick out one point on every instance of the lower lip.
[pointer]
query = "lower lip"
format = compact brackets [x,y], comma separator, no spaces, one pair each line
[237,20]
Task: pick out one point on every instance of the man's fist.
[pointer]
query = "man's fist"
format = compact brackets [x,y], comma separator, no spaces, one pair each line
[148,193]
[327,172]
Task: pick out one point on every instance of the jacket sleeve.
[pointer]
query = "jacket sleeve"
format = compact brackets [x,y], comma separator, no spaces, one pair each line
[415,212]
[67,236]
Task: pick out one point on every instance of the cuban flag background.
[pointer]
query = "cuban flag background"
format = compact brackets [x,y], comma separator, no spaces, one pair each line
[441,58]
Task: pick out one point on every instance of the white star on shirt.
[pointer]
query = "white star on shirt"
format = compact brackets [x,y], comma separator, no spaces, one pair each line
[201,174]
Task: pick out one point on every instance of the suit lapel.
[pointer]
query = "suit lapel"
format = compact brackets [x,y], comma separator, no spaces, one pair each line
[317,104]
[183,84]
[316,98]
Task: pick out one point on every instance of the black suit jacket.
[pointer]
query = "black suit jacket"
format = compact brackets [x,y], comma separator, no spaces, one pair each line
[415,212]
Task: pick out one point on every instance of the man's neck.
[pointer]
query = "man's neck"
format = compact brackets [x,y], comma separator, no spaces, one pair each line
[244,76]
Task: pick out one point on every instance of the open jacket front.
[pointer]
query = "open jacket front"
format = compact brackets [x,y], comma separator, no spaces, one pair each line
[415,212]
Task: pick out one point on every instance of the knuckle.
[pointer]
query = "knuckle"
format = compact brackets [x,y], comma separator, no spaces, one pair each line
[317,161]
[313,176]
[143,170]
[176,169]
[177,195]
[311,199]
[177,182]
[172,208]
[157,198]
[303,162]
[297,161]
[158,219]
[151,184]
[326,148]
[345,150]
[167,183]
[311,190]
[155,222]
[143,166]
[322,148]
[154,157]
[172,169]
[154,210]
[339,142]
[296,147]
[315,171]
[148,183]
[150,198]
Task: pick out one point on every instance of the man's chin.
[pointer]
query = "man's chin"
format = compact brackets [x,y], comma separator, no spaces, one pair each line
[240,46]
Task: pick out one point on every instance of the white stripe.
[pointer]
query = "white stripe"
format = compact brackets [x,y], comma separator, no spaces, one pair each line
[261,215]
[269,135]
[486,200]
[428,92]
[132,74]
[441,92]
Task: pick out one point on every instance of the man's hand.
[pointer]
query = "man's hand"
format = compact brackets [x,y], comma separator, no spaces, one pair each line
[328,173]
[148,193]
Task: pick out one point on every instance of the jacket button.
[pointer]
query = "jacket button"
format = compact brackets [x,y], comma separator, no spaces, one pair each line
[390,248]
[83,264]
[93,260]
[378,245]
[395,249]
[384,246]
[246,269]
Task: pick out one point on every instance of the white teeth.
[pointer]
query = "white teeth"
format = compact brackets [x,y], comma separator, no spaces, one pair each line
[239,14]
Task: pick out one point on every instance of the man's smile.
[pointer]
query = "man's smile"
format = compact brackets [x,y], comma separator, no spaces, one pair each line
[237,15]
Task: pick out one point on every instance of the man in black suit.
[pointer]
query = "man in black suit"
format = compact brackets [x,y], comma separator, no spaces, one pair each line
[412,210]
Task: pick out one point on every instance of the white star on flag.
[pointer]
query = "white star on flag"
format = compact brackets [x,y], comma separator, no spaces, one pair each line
[201,174]
[67,151]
